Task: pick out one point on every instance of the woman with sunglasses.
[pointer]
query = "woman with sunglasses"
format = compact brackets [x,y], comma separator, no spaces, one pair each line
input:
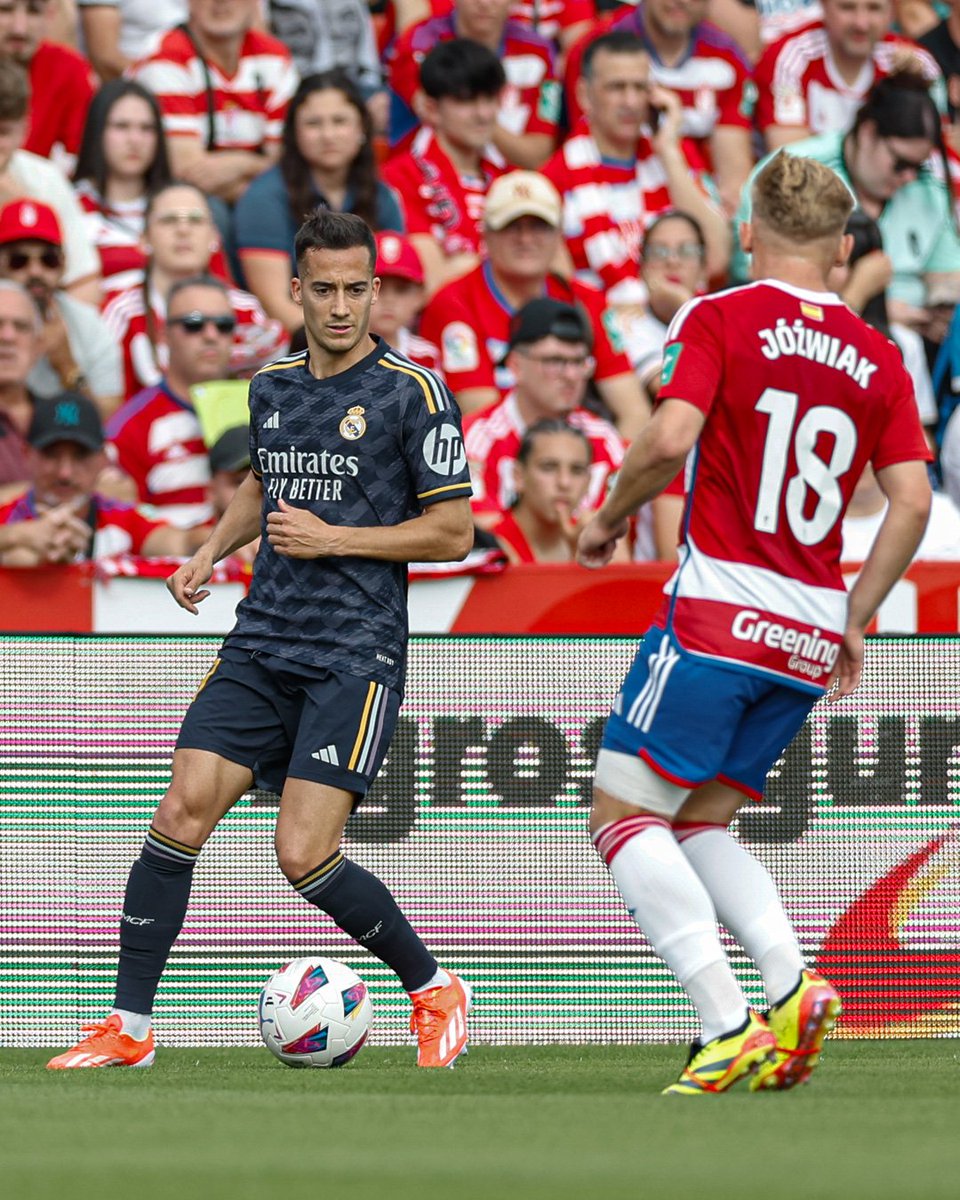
[894,161]
[122,159]
[180,240]
[327,161]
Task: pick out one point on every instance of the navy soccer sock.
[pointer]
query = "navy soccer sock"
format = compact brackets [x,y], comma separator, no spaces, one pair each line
[154,906]
[363,908]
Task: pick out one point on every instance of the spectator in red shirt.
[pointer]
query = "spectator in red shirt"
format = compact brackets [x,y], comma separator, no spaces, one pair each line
[549,354]
[814,80]
[470,318]
[709,72]
[396,311]
[62,82]
[155,438]
[181,241]
[529,109]
[66,452]
[616,171]
[550,479]
[223,88]
[444,177]
[122,159]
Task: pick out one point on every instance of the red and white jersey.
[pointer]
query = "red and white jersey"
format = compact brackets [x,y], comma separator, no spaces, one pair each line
[117,528]
[469,319]
[62,84]
[117,232]
[548,18]
[437,199]
[249,106]
[492,439]
[156,439]
[530,102]
[799,395]
[799,85]
[713,78]
[607,205]
[257,338]
[419,350]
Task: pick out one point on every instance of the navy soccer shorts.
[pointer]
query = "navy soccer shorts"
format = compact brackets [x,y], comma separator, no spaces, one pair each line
[693,721]
[280,719]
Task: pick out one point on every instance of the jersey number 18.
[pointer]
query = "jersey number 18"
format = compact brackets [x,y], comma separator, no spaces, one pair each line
[813,474]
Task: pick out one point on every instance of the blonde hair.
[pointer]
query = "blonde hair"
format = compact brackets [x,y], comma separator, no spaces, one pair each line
[800,199]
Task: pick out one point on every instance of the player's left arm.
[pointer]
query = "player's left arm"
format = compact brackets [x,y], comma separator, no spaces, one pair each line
[651,463]
[906,486]
[443,532]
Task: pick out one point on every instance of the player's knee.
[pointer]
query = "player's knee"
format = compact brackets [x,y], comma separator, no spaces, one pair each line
[297,858]
[625,784]
[185,815]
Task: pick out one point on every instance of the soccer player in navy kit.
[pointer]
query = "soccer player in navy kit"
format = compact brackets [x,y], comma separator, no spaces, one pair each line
[357,469]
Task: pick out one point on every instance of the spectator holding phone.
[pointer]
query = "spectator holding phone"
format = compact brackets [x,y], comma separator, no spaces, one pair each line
[624,163]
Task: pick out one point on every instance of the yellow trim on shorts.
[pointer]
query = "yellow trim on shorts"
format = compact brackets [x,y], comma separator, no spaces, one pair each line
[364,721]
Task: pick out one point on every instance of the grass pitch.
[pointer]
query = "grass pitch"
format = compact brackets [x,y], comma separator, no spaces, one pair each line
[879,1120]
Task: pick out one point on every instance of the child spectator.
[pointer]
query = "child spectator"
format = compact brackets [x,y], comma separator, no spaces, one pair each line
[400,299]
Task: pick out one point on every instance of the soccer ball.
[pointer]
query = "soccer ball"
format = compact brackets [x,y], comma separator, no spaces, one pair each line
[315,1012]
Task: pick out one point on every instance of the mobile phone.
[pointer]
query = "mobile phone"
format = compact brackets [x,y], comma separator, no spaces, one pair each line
[654,118]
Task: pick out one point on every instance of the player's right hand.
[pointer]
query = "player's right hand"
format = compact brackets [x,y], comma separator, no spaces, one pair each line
[185,584]
[597,542]
[846,674]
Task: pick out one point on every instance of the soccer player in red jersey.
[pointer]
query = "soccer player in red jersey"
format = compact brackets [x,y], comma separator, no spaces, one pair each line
[784,395]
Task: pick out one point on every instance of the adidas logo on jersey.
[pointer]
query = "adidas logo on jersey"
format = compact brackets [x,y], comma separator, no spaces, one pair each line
[272,422]
[328,755]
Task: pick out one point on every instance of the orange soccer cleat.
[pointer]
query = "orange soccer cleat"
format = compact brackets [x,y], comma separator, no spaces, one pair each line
[440,1022]
[106,1045]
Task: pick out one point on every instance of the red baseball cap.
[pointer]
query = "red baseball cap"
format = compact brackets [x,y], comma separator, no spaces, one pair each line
[29,220]
[397,258]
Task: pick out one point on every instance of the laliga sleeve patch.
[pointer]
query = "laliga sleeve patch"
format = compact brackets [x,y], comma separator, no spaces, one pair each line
[670,356]
[459,346]
[443,450]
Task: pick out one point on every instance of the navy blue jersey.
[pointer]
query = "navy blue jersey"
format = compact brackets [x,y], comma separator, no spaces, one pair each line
[374,445]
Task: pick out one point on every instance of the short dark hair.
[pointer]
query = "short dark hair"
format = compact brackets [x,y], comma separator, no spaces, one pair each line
[617,41]
[326,230]
[203,279]
[545,426]
[14,91]
[462,69]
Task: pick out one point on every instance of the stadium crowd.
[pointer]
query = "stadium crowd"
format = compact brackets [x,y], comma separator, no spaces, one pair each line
[549,183]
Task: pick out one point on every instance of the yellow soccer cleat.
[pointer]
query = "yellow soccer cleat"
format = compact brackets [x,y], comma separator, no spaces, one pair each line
[106,1045]
[440,1022]
[800,1023]
[720,1063]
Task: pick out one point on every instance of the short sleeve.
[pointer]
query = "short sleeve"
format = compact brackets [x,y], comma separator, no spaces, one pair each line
[693,355]
[433,441]
[901,437]
[260,219]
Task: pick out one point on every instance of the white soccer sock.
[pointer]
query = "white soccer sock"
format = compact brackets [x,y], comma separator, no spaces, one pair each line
[747,903]
[670,904]
[135,1025]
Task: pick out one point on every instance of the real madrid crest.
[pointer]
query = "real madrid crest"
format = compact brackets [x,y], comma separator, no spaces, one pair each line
[353,425]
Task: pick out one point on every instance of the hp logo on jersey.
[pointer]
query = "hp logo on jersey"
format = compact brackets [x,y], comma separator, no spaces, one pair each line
[443,451]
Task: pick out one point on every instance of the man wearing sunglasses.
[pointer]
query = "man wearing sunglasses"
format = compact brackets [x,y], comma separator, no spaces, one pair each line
[155,437]
[79,353]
